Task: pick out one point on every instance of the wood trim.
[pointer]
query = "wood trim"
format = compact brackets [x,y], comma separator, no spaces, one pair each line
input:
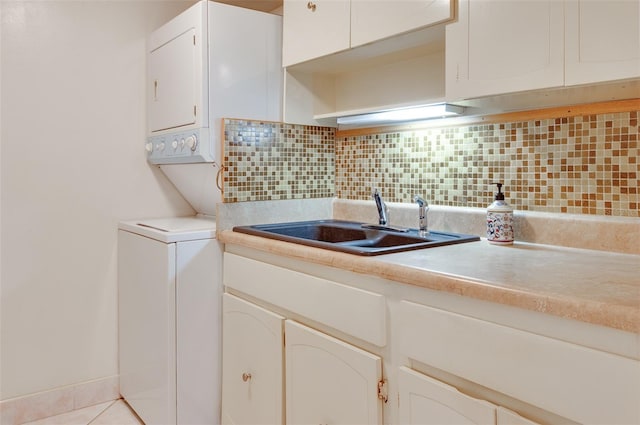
[537,114]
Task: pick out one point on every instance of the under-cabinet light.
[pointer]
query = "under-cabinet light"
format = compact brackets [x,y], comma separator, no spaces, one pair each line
[438,110]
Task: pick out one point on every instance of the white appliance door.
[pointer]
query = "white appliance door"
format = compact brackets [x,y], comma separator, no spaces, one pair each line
[172,73]
[198,329]
[146,297]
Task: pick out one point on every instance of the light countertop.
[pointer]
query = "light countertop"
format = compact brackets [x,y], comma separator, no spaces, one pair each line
[596,287]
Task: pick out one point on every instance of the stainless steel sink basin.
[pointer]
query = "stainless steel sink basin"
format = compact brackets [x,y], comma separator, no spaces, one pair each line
[353,237]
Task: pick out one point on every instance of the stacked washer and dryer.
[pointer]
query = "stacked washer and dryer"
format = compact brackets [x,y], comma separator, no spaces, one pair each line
[212,61]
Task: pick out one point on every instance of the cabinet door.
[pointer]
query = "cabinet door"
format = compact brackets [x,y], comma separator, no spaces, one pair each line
[504,46]
[603,40]
[329,381]
[426,401]
[311,29]
[252,359]
[507,417]
[173,70]
[375,20]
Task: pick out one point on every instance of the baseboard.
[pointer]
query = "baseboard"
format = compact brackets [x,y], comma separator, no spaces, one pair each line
[59,400]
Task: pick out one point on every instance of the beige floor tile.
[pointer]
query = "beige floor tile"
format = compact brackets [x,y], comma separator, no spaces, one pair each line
[75,417]
[118,414]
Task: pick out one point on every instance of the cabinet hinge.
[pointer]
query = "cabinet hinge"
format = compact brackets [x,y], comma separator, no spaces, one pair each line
[383,393]
[194,111]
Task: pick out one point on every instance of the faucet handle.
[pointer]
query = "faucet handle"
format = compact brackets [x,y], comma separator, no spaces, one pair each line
[421,202]
[383,210]
[423,207]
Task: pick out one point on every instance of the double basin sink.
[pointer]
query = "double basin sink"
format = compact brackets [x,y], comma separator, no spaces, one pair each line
[354,237]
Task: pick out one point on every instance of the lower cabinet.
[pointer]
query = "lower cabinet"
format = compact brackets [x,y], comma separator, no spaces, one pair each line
[293,354]
[252,359]
[327,380]
[543,372]
[425,401]
[507,417]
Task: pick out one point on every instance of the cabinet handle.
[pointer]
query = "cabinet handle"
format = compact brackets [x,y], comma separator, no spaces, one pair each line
[246,377]
[311,6]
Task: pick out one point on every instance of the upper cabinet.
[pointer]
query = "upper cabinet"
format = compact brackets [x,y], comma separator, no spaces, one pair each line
[504,46]
[375,20]
[345,57]
[602,41]
[499,47]
[313,29]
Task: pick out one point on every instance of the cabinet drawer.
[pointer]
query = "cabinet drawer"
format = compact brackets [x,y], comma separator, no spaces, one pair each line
[354,311]
[576,382]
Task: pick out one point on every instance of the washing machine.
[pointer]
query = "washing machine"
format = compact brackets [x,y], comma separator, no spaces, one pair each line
[169,297]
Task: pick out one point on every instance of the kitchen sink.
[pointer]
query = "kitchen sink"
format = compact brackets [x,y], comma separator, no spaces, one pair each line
[354,237]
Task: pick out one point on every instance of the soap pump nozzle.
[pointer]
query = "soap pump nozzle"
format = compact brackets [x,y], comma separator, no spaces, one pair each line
[499,195]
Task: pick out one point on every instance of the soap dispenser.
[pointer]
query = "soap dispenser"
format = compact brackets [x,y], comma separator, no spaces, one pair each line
[500,220]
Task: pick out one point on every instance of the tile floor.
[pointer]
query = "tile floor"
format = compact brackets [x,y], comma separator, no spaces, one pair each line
[115,412]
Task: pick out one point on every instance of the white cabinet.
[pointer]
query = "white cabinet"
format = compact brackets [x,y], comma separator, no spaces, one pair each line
[503,47]
[447,359]
[375,20]
[329,381]
[499,47]
[252,377]
[602,40]
[290,290]
[344,57]
[544,372]
[507,417]
[314,29]
[425,401]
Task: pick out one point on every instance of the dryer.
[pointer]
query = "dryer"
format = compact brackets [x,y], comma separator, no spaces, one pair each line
[169,296]
[213,61]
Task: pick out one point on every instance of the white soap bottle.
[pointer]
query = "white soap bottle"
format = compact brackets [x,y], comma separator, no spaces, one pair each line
[500,220]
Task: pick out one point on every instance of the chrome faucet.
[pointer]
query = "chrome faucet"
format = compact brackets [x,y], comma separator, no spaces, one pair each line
[382,208]
[423,207]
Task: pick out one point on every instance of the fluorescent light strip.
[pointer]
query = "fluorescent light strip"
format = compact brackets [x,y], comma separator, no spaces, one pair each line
[438,110]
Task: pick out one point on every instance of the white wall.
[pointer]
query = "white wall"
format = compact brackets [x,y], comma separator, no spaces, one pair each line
[72,166]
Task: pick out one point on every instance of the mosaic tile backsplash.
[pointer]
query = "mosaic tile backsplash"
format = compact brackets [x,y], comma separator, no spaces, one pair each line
[272,161]
[581,165]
